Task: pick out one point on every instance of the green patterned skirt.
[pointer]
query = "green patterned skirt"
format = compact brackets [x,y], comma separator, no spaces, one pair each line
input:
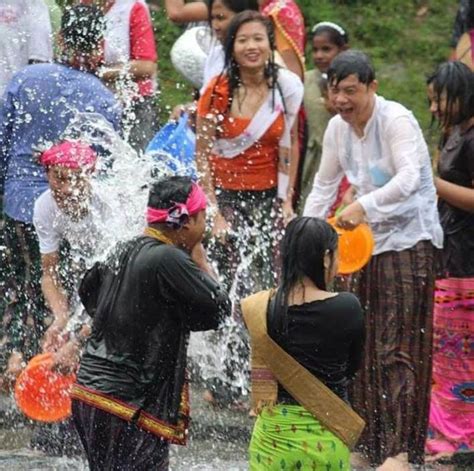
[288,437]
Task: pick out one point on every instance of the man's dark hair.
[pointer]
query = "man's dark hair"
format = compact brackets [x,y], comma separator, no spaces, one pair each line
[82,28]
[351,62]
[165,192]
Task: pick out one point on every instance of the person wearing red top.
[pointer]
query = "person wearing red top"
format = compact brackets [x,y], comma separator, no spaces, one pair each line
[245,155]
[130,60]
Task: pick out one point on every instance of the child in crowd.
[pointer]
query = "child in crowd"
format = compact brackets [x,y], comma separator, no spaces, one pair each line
[328,40]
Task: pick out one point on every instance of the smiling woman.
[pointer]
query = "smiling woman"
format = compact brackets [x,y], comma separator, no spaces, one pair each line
[244,141]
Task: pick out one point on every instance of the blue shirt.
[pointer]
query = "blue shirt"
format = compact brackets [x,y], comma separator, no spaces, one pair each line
[39,103]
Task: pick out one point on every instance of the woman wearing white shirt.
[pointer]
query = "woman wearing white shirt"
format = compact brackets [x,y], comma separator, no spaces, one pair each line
[380,148]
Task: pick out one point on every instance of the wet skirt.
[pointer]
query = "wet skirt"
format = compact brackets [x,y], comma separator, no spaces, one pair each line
[452,397]
[392,388]
[288,437]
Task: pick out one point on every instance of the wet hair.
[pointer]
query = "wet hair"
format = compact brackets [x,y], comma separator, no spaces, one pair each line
[232,68]
[336,34]
[307,240]
[82,28]
[165,192]
[470,16]
[236,6]
[456,81]
[351,62]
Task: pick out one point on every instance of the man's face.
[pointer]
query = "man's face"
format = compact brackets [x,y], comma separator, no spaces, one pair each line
[195,228]
[70,189]
[352,99]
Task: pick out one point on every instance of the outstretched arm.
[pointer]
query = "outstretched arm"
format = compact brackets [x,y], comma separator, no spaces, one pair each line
[179,11]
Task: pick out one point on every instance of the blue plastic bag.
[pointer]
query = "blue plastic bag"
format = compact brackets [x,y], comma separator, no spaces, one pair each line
[173,148]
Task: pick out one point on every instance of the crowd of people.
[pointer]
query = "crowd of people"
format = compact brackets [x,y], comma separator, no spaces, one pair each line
[375,370]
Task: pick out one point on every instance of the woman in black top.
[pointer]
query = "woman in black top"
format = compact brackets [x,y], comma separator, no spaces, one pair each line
[324,332]
[451,95]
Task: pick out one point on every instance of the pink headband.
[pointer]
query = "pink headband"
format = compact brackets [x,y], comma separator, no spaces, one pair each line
[69,154]
[196,202]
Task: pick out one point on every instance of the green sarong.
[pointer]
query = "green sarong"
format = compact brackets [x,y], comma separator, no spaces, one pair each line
[288,437]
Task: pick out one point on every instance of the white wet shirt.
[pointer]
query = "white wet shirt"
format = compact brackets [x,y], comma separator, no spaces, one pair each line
[390,169]
[87,237]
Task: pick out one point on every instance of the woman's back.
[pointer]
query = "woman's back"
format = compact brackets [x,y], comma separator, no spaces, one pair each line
[326,336]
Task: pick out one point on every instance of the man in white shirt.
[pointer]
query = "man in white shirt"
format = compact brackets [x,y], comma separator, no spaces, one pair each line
[25,36]
[71,210]
[380,148]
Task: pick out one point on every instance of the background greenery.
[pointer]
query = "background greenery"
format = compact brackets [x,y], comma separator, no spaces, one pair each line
[405,38]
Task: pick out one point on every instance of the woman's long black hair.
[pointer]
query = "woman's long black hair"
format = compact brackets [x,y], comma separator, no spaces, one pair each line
[456,81]
[305,244]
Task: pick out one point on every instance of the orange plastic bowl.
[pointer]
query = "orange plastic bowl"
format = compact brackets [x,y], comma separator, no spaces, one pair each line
[43,394]
[355,247]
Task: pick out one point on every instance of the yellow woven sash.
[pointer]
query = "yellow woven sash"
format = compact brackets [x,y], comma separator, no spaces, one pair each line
[312,394]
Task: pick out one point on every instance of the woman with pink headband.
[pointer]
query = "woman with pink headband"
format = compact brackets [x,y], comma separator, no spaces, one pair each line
[145,300]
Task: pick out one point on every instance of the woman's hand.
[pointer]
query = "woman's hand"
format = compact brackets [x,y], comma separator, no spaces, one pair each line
[220,228]
[284,163]
[351,216]
[287,209]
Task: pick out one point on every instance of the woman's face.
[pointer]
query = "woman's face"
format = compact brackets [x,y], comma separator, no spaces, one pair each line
[251,45]
[324,51]
[221,17]
[439,106]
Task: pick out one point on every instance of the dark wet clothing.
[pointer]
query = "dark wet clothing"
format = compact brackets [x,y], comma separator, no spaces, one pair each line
[456,165]
[326,337]
[115,445]
[144,301]
[391,390]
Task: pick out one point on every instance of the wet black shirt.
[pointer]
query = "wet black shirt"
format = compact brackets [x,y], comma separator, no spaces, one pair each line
[144,302]
[456,165]
[326,337]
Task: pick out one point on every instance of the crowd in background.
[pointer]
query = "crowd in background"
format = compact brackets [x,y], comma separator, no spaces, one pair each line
[281,144]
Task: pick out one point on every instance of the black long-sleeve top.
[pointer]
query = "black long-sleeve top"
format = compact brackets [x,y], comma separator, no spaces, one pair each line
[144,304]
[326,337]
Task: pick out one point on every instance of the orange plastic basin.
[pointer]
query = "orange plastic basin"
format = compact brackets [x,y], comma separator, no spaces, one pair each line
[355,247]
[43,394]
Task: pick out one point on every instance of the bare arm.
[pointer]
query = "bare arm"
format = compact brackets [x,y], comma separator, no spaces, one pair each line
[137,69]
[53,292]
[181,12]
[292,62]
[456,195]
[55,297]
[206,129]
[294,160]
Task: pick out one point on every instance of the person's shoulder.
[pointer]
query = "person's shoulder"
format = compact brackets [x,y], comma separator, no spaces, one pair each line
[168,253]
[336,125]
[33,72]
[348,305]
[390,109]
[215,97]
[45,201]
[288,78]
[45,209]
